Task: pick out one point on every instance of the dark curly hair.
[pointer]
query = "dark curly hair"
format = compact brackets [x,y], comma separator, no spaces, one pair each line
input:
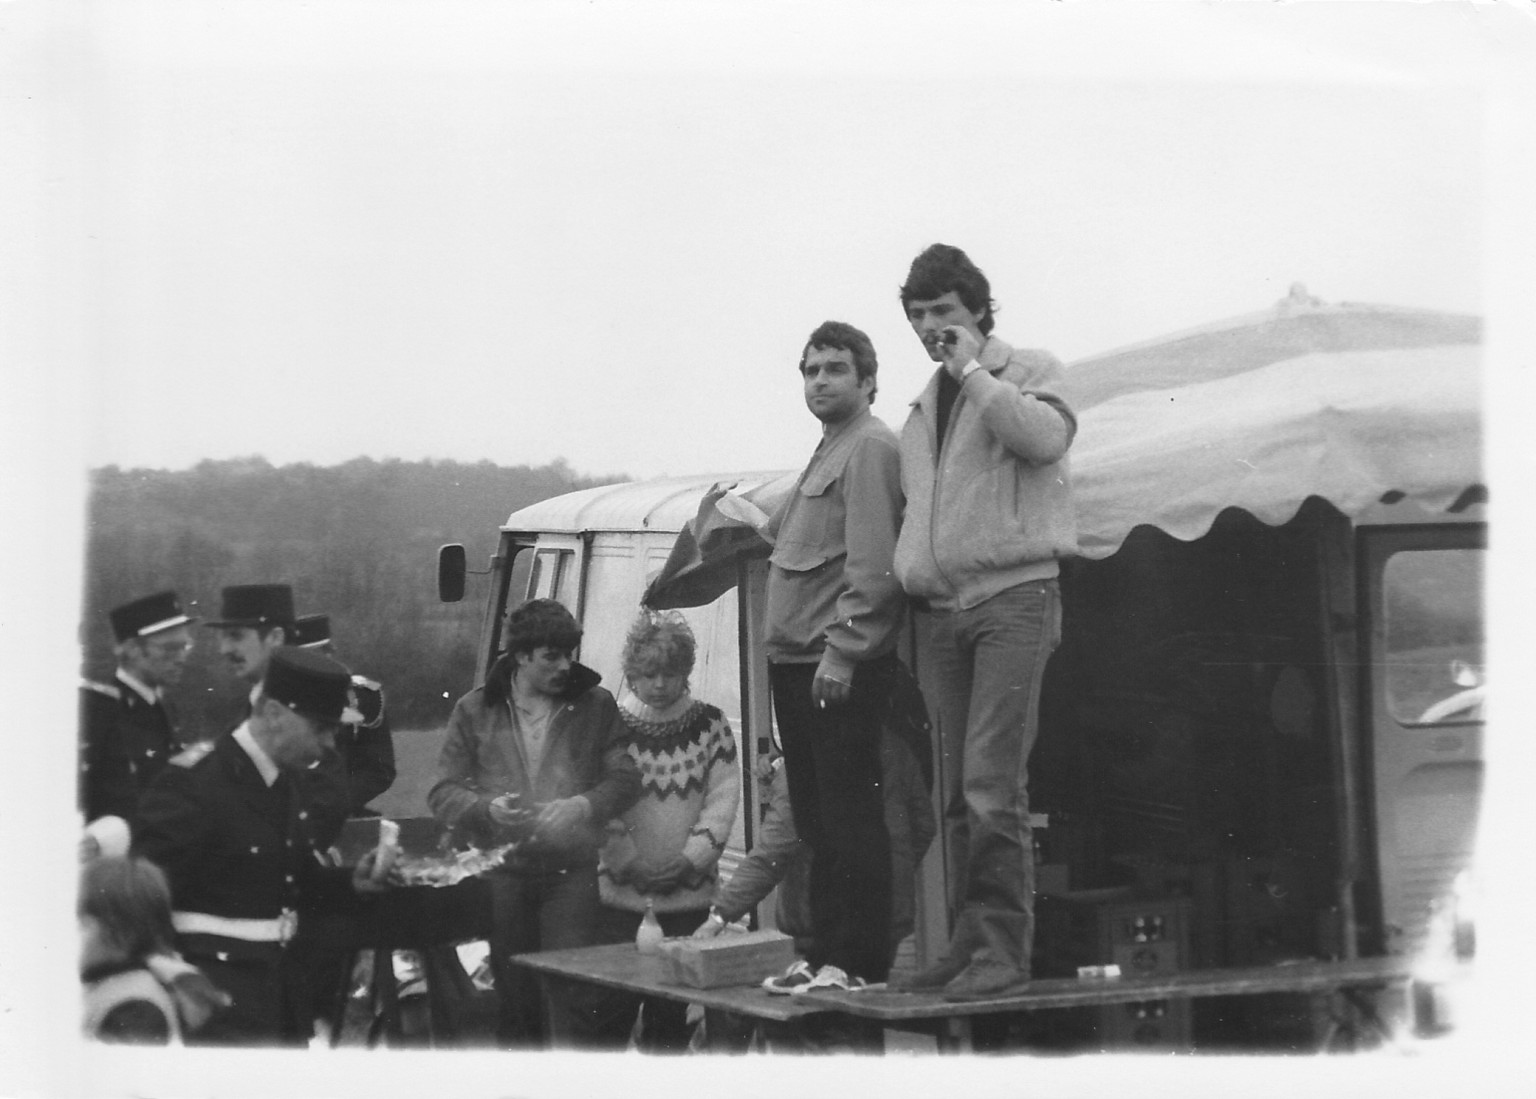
[845,337]
[541,622]
[940,268]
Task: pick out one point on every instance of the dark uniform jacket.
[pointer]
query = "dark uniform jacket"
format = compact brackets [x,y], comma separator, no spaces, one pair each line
[124,743]
[367,749]
[361,767]
[230,845]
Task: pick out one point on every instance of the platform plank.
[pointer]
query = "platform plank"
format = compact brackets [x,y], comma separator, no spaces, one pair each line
[1312,976]
[622,966]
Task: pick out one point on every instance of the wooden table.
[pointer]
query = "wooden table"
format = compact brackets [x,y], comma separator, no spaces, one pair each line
[620,966]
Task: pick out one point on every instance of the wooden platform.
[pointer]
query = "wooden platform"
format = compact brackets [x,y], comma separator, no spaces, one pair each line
[620,966]
[1074,992]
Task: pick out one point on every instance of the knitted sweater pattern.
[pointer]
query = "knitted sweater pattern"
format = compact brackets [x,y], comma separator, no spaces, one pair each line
[689,790]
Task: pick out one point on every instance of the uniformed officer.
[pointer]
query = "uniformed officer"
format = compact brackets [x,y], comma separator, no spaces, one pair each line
[126,732]
[228,823]
[254,620]
[364,763]
[366,748]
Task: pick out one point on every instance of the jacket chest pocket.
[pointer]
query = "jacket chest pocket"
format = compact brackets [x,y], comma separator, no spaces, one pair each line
[812,526]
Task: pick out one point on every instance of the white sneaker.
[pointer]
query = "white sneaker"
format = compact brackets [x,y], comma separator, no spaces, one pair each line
[829,976]
[792,980]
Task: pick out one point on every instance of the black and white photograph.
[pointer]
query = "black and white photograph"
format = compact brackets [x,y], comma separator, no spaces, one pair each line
[558,546]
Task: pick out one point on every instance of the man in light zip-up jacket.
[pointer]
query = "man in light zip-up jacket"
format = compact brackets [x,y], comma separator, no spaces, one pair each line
[988,516]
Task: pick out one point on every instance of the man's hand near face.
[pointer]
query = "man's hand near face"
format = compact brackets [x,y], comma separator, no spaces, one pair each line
[959,354]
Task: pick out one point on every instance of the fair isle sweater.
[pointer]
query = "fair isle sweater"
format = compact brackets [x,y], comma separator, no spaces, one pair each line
[690,787]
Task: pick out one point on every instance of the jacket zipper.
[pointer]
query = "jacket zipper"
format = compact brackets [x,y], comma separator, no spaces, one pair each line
[938,471]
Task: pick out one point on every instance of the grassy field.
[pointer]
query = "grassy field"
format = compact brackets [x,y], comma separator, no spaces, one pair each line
[415,767]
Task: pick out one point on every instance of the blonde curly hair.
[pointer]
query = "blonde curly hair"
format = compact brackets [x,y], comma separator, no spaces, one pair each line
[659,641]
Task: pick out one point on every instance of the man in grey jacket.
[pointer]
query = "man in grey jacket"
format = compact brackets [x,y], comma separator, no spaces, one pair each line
[833,616]
[988,516]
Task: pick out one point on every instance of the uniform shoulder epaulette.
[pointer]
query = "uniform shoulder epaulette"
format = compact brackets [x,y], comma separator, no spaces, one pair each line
[368,700]
[189,756]
[114,693]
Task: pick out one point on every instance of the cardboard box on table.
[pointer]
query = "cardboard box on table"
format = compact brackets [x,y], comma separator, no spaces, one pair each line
[731,958]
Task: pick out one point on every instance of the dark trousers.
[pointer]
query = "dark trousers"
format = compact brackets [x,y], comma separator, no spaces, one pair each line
[610,1014]
[832,763]
[533,911]
[270,996]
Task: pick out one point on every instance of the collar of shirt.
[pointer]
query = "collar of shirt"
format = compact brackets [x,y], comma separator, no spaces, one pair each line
[263,762]
[830,433]
[632,705]
[148,694]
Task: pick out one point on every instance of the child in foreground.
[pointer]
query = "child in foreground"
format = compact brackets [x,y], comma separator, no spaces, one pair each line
[137,988]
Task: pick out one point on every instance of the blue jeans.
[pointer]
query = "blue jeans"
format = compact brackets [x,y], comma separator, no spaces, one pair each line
[550,910]
[984,668]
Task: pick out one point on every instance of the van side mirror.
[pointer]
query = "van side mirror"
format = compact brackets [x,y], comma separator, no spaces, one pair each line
[451,568]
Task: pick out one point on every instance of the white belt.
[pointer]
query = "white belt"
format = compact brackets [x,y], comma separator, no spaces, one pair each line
[279,930]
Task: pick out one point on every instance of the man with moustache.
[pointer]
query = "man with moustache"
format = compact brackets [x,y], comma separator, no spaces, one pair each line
[254,621]
[834,613]
[228,824]
[537,755]
[989,516]
[126,732]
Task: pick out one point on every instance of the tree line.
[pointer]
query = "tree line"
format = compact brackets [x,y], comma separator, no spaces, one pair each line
[357,541]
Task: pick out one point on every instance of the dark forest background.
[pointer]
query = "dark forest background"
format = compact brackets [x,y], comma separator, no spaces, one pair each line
[357,541]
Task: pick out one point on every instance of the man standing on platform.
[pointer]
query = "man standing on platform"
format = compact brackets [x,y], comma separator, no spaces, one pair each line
[230,828]
[126,733]
[834,612]
[989,515]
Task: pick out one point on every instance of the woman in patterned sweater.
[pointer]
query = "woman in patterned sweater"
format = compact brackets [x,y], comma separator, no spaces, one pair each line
[665,849]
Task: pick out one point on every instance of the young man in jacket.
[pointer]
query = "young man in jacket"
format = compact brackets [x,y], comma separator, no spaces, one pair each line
[537,755]
[989,514]
[834,612]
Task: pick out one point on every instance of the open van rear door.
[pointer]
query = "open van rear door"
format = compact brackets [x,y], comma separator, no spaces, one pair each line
[1424,674]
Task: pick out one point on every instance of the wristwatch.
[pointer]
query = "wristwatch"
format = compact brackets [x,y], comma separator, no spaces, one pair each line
[970,368]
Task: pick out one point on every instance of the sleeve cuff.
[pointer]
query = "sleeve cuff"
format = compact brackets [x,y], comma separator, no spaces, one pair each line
[835,666]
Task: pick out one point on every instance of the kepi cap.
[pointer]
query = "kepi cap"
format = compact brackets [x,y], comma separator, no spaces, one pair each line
[258,606]
[151,614]
[308,683]
[310,630]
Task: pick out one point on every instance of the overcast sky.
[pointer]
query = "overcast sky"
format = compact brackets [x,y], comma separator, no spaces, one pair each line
[525,231]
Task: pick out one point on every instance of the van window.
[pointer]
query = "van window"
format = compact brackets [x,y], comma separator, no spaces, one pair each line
[548,573]
[1434,636]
